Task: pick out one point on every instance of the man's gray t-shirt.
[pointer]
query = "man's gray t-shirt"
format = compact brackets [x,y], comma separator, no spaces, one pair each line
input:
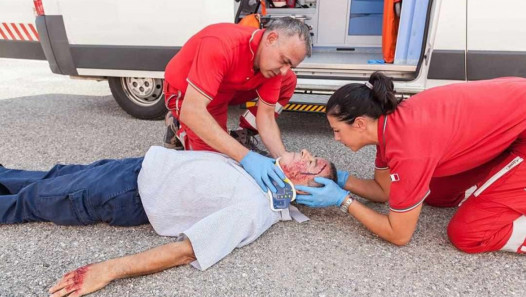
[207,197]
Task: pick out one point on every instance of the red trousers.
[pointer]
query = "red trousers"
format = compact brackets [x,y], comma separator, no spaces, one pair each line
[494,216]
[218,109]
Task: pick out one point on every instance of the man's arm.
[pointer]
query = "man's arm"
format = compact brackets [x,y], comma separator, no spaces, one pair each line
[93,277]
[195,115]
[269,130]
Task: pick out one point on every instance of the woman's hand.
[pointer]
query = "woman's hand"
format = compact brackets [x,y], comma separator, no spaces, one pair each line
[329,195]
[82,281]
[343,176]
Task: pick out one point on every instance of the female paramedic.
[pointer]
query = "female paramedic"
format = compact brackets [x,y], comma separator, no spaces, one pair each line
[435,147]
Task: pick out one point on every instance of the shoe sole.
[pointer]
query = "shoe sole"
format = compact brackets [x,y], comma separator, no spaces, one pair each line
[173,146]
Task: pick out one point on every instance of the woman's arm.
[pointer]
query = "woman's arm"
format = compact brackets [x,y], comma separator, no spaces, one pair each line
[395,227]
[93,277]
[376,189]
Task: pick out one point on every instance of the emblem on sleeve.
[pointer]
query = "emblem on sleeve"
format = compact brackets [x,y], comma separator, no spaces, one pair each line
[395,177]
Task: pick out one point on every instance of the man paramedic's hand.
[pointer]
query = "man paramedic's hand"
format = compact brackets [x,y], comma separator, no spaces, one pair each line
[329,195]
[262,169]
[342,178]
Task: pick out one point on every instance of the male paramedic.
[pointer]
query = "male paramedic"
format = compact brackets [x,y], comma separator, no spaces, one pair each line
[229,64]
[164,188]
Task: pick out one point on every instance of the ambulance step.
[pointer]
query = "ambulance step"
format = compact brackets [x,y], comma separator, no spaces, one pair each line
[301,107]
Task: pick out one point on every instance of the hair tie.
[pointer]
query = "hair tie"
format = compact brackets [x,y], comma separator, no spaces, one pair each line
[369,85]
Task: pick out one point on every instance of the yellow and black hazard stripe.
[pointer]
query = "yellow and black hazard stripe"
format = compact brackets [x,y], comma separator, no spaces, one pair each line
[303,107]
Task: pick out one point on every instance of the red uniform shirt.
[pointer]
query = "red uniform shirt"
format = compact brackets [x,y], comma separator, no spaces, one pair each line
[220,59]
[448,130]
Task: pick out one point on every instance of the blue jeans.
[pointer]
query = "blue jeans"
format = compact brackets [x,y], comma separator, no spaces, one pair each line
[104,191]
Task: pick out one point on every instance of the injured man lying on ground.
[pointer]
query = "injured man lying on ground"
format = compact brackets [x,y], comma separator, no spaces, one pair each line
[204,199]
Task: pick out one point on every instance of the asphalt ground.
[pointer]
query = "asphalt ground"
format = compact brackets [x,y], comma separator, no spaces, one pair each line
[47,119]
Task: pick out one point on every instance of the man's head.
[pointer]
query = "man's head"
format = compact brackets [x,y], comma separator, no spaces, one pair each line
[301,168]
[284,45]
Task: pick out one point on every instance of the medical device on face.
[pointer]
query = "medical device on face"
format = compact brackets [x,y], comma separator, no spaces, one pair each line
[283,196]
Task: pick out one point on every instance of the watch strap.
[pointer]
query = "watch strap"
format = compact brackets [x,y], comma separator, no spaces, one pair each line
[346,203]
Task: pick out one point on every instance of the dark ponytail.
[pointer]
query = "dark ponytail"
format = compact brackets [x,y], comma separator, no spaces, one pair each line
[373,99]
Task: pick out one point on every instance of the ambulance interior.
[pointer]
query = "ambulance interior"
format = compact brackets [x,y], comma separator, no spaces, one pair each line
[353,38]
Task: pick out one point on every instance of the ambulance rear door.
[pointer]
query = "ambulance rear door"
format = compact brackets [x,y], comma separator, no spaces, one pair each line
[496,39]
[478,39]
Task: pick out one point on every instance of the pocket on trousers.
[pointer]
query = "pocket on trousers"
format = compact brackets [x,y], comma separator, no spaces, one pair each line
[67,209]
[78,200]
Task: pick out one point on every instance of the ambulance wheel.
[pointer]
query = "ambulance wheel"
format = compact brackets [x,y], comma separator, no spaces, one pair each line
[141,97]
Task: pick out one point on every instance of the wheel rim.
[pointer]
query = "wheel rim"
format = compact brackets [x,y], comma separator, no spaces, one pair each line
[143,91]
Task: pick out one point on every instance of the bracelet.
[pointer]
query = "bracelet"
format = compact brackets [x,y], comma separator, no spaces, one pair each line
[345,205]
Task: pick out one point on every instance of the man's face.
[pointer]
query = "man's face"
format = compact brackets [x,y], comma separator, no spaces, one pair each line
[277,54]
[301,168]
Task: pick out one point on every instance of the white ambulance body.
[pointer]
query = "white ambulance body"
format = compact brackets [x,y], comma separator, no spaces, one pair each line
[129,42]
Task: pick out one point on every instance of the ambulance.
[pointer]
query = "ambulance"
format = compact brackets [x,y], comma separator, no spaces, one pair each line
[129,42]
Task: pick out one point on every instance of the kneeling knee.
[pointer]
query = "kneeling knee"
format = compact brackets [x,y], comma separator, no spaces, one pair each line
[462,238]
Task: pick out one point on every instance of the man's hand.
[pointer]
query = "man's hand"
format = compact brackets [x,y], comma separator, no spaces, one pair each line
[94,277]
[342,178]
[82,281]
[328,195]
[262,169]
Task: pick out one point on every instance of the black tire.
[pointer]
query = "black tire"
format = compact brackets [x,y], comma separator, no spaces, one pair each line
[142,98]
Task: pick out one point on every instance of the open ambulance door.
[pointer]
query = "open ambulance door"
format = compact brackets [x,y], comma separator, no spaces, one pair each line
[348,45]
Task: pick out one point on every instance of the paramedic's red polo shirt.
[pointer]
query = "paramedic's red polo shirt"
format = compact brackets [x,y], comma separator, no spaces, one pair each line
[448,130]
[219,60]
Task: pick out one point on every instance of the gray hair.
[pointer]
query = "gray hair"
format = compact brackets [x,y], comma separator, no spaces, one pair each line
[292,27]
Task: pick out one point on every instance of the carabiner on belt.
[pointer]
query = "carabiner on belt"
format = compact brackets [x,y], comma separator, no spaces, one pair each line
[167,102]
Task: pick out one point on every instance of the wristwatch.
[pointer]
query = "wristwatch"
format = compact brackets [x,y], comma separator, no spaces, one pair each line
[345,205]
